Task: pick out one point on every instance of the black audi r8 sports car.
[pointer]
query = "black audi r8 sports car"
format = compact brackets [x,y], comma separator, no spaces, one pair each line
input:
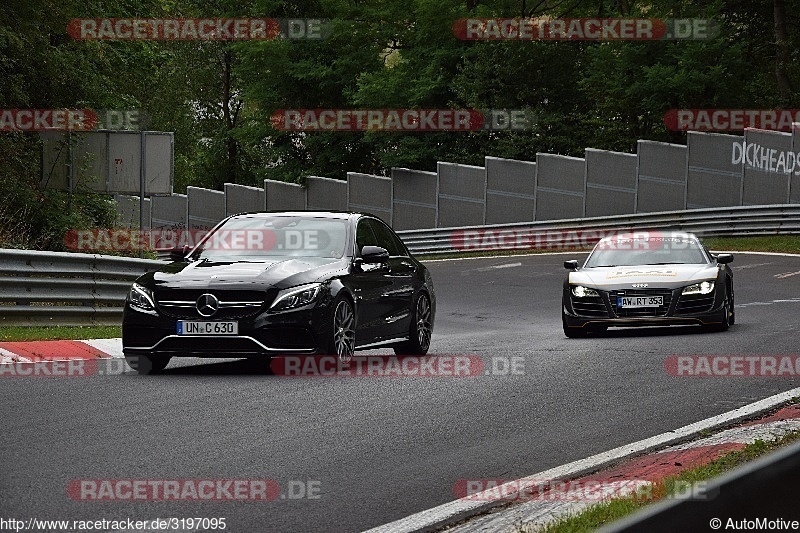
[261,284]
[648,279]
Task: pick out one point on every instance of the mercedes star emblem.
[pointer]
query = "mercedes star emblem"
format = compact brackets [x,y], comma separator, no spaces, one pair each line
[207,305]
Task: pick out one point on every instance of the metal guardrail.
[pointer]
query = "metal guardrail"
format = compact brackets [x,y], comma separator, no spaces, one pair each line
[60,288]
[65,289]
[711,222]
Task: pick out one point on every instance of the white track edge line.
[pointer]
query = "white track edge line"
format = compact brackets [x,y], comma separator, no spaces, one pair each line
[458,510]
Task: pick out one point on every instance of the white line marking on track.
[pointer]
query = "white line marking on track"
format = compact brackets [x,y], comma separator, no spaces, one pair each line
[457,510]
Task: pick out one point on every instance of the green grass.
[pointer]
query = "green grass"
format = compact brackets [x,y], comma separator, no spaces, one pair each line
[763,243]
[607,512]
[767,243]
[41,333]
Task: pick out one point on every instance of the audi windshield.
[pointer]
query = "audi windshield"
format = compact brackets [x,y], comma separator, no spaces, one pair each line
[647,251]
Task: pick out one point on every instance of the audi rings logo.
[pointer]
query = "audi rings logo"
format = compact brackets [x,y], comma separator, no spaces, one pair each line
[639,285]
[207,305]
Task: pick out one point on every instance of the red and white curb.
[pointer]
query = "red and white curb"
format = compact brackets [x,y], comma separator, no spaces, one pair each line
[620,471]
[65,350]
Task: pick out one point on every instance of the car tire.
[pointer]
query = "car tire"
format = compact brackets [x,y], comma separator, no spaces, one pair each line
[732,319]
[147,364]
[342,334]
[420,330]
[726,321]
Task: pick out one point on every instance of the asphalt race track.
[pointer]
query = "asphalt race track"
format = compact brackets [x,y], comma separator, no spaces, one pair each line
[380,449]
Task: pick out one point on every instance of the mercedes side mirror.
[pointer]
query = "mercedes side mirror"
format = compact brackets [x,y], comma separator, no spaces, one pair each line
[178,253]
[374,254]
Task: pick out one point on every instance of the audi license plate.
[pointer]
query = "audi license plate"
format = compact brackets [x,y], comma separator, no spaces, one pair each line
[640,301]
[196,327]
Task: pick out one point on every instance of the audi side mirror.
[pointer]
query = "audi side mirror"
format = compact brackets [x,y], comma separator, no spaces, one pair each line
[724,259]
[572,264]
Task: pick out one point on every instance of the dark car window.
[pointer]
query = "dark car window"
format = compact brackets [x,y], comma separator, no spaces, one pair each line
[249,238]
[653,251]
[364,235]
[387,239]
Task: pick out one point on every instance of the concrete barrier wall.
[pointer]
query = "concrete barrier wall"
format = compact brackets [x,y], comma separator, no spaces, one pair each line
[284,196]
[610,183]
[714,180]
[661,176]
[168,211]
[128,211]
[767,177]
[794,187]
[462,195]
[326,194]
[205,207]
[560,186]
[243,199]
[370,194]
[510,190]
[415,196]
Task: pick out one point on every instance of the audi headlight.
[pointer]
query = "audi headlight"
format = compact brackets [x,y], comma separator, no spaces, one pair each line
[583,292]
[140,298]
[296,296]
[704,287]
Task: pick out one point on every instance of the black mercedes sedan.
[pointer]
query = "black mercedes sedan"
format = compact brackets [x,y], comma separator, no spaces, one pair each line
[265,284]
[648,279]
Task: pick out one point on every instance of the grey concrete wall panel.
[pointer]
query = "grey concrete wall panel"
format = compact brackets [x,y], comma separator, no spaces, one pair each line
[243,199]
[54,160]
[560,186]
[794,191]
[284,196]
[128,211]
[768,165]
[326,194]
[462,195]
[370,194]
[169,211]
[107,161]
[610,183]
[89,155]
[714,180]
[159,162]
[205,207]
[510,190]
[662,172]
[415,199]
[124,161]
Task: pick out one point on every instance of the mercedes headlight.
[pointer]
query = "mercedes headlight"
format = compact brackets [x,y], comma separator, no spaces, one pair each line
[296,296]
[140,298]
[704,287]
[583,292]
